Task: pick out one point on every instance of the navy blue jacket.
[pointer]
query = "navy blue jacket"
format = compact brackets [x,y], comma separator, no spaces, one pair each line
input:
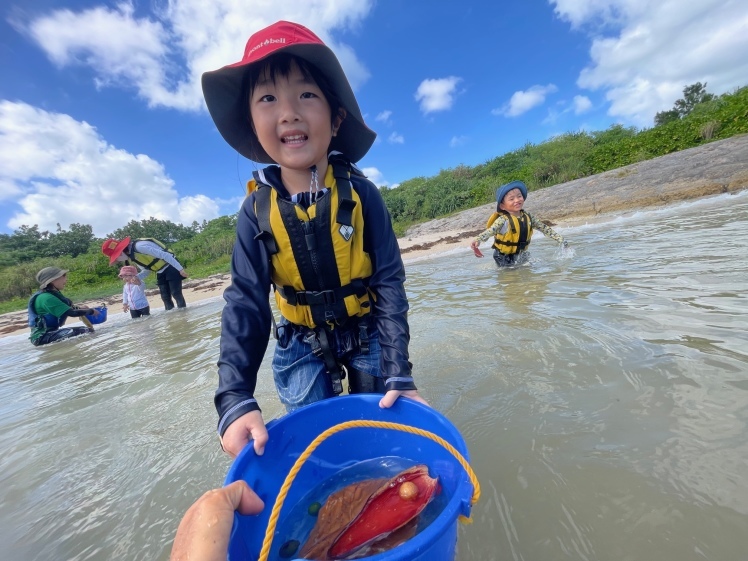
[246,319]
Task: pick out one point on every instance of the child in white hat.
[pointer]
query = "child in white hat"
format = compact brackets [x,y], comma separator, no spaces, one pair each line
[134,299]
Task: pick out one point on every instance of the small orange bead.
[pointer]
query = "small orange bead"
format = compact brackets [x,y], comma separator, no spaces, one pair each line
[408,491]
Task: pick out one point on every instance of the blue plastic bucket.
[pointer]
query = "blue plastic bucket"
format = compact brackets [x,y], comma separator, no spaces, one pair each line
[98,318]
[291,434]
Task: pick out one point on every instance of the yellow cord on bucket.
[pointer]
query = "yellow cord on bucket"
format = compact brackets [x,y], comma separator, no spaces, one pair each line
[273,521]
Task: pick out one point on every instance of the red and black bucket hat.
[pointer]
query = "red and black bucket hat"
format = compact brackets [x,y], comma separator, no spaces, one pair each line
[228,105]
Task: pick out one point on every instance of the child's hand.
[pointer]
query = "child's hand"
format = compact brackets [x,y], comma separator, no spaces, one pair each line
[125,308]
[248,426]
[474,246]
[391,396]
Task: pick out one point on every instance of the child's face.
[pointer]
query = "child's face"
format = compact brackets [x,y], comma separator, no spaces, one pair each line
[292,120]
[129,279]
[513,202]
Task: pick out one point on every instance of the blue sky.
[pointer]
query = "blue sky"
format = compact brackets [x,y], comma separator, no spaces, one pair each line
[102,119]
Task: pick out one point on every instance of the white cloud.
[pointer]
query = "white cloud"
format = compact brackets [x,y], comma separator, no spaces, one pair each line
[396,138]
[384,116]
[457,141]
[59,170]
[582,104]
[163,59]
[437,94]
[522,101]
[644,53]
[375,176]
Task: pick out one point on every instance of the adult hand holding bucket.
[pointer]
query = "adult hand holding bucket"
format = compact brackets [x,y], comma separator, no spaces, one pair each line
[204,531]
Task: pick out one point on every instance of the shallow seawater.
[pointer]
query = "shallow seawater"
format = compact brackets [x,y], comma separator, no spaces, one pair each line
[603,396]
[297,523]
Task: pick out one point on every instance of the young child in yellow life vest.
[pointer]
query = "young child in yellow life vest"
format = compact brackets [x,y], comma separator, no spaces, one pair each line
[314,229]
[512,227]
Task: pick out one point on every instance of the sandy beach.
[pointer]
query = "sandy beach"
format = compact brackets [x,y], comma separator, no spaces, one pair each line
[716,168]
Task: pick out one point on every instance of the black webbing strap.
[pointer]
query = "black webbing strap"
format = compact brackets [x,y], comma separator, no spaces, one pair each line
[319,340]
[262,210]
[322,297]
[523,229]
[346,204]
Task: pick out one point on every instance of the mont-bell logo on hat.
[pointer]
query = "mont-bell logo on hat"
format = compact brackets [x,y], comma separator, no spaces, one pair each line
[266,42]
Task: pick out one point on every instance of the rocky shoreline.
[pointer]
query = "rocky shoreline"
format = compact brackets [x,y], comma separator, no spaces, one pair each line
[715,168]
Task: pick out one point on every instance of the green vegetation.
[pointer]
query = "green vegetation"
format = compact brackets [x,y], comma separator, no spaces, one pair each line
[206,248]
[696,119]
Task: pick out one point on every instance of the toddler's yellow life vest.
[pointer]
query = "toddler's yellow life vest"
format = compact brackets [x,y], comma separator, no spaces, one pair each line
[318,264]
[518,234]
[144,260]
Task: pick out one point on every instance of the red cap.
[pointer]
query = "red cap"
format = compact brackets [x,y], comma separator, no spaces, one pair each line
[227,102]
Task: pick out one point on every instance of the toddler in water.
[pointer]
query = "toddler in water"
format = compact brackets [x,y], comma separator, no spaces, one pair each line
[512,227]
[133,292]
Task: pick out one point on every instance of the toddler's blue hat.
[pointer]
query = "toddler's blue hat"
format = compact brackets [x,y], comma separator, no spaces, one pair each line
[504,189]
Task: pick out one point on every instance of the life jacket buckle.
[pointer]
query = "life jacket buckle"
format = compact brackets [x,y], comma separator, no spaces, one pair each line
[363,337]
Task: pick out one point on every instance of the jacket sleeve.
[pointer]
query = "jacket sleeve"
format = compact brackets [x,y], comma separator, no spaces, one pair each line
[387,282]
[150,248]
[245,322]
[492,230]
[547,230]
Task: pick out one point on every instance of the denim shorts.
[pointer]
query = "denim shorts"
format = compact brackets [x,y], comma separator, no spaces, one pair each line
[301,378]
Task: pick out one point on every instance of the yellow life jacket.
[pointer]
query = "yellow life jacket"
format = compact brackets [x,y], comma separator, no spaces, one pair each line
[144,260]
[318,264]
[518,234]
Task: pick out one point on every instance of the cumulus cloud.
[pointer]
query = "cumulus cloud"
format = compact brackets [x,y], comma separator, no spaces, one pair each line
[582,104]
[375,176]
[396,138]
[437,94]
[163,58]
[522,101]
[59,170]
[643,54]
[384,117]
[457,141]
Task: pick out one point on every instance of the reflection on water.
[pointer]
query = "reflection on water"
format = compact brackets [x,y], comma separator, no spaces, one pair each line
[604,399]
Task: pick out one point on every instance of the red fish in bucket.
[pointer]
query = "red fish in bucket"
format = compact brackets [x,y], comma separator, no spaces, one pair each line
[370,516]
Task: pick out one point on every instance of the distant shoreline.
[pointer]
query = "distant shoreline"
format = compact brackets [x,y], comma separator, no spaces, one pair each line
[715,168]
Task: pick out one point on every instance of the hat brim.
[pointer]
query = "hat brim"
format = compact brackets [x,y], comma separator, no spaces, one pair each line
[504,189]
[229,109]
[118,250]
[62,273]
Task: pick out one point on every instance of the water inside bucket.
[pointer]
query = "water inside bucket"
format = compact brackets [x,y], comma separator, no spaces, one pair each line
[298,522]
